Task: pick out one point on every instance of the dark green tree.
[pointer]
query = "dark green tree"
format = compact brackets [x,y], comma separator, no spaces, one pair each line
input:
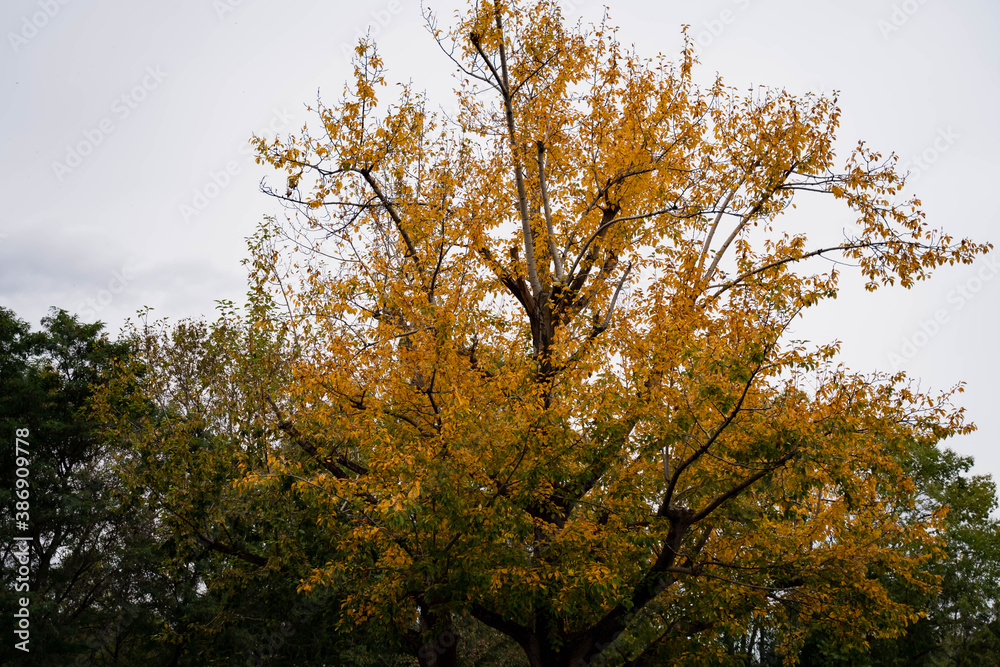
[962,626]
[108,583]
[90,556]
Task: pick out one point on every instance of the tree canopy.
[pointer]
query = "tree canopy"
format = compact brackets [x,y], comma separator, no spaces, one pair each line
[529,364]
[89,557]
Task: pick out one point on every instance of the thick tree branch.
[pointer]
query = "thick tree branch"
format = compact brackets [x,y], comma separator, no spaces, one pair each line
[743,223]
[614,299]
[665,506]
[715,223]
[242,554]
[411,250]
[307,446]
[549,227]
[734,491]
[514,285]
[566,307]
[522,196]
[518,632]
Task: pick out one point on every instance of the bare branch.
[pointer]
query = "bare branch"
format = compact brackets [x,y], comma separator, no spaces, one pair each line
[715,223]
[522,196]
[725,246]
[614,299]
[411,251]
[549,228]
[847,246]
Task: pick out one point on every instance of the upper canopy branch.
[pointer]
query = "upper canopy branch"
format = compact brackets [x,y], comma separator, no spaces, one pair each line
[506,93]
[328,462]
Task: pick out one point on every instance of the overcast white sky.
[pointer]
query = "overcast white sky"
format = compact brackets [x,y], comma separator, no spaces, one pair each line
[128,181]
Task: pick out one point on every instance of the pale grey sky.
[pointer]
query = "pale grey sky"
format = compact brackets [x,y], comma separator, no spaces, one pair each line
[128,181]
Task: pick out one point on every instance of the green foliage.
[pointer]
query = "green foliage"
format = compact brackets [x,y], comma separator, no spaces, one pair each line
[91,561]
[959,624]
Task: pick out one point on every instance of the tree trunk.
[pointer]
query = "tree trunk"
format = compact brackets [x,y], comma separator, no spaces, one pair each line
[579,652]
[438,641]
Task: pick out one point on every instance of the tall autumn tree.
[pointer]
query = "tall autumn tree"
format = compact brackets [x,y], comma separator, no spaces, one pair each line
[529,363]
